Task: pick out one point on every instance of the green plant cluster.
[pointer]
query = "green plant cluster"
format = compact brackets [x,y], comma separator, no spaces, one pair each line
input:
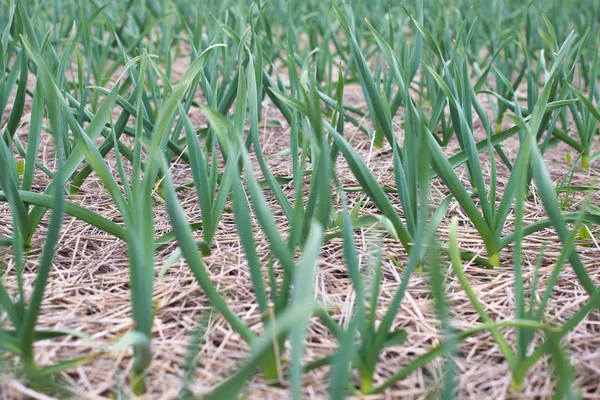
[99,78]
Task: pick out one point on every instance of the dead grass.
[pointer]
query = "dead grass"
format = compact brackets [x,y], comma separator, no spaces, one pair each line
[88,291]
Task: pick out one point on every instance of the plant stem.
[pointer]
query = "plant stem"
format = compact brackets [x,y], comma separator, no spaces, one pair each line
[366,383]
[138,383]
[585,161]
[494,259]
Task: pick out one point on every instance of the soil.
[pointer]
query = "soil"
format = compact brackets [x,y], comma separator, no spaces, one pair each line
[88,291]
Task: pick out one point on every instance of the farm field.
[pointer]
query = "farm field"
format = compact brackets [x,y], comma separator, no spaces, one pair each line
[299,199]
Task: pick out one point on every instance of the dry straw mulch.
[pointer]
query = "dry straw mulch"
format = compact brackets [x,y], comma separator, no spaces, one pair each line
[88,291]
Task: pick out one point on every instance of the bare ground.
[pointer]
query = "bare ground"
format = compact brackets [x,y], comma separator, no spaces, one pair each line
[88,291]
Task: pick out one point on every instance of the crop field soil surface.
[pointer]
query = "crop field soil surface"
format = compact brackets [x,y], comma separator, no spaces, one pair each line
[89,292]
[314,211]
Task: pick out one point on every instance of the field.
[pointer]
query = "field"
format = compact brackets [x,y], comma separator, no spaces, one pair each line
[301,199]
